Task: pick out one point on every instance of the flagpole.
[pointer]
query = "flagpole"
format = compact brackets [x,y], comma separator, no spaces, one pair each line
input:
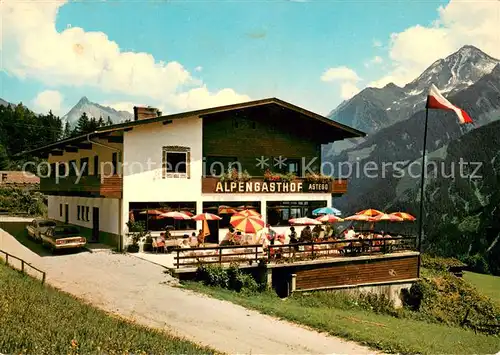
[422,181]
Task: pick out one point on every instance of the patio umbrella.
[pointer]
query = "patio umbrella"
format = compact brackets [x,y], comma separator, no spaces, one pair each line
[326,210]
[359,217]
[227,210]
[187,213]
[151,212]
[329,218]
[387,217]
[175,215]
[250,213]
[304,221]
[246,207]
[247,224]
[370,212]
[206,217]
[405,216]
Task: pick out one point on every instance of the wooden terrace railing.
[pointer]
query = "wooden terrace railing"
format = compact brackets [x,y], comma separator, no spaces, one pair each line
[23,264]
[352,247]
[191,257]
[217,255]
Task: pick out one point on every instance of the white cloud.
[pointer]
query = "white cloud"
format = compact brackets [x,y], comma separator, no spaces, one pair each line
[459,23]
[32,48]
[48,100]
[347,79]
[377,43]
[198,68]
[375,60]
[348,90]
[342,73]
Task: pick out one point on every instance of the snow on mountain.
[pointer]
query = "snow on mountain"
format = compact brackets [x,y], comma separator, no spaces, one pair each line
[95,110]
[373,109]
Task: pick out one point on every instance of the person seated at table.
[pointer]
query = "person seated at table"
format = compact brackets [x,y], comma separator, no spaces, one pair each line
[306,235]
[228,238]
[293,238]
[350,233]
[185,244]
[316,231]
[193,240]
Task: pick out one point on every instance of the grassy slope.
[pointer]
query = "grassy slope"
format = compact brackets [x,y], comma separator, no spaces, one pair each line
[41,320]
[486,284]
[379,331]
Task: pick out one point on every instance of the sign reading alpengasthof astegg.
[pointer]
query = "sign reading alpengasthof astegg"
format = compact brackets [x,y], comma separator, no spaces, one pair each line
[269,187]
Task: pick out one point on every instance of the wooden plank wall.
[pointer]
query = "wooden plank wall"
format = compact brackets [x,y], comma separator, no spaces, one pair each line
[357,272]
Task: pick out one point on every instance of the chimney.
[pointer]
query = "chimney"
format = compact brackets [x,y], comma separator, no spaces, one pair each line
[142,113]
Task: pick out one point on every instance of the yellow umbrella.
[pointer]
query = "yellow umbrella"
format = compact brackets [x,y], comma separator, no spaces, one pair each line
[370,212]
[405,216]
[247,224]
[250,213]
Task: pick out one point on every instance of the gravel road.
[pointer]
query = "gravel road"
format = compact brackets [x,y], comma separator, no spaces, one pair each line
[139,290]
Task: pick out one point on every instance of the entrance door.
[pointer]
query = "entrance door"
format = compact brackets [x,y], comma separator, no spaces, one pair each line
[214,232]
[66,213]
[95,224]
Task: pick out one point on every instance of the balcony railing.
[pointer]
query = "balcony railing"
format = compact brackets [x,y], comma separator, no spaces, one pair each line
[92,185]
[259,185]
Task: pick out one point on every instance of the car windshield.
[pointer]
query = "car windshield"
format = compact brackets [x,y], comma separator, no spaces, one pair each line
[66,230]
[47,224]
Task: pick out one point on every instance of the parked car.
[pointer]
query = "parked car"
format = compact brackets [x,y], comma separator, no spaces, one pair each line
[63,237]
[39,226]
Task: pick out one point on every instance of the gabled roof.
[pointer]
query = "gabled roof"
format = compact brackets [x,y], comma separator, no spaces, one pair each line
[350,132]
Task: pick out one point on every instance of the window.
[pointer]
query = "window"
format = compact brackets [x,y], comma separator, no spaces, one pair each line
[279,212]
[84,166]
[72,167]
[215,166]
[87,213]
[96,165]
[62,169]
[52,170]
[60,210]
[114,163]
[78,212]
[176,162]
[289,165]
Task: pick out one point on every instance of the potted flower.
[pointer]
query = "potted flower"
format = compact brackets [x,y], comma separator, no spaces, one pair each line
[232,174]
[317,178]
[136,234]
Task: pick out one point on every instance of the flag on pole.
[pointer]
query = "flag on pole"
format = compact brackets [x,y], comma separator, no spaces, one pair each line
[437,101]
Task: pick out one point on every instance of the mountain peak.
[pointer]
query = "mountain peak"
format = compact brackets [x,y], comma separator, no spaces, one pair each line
[455,72]
[94,110]
[83,100]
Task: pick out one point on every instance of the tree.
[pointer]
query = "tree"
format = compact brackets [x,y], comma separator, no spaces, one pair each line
[67,130]
[109,122]
[4,159]
[100,122]
[82,126]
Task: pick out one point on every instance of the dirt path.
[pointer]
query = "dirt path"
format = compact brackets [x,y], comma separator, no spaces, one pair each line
[137,289]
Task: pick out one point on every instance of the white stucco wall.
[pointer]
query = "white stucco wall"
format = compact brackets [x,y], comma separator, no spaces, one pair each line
[146,184]
[108,211]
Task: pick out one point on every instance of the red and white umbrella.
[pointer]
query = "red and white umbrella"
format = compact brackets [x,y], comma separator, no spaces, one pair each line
[387,217]
[405,216]
[304,221]
[359,217]
[253,213]
[371,212]
[175,215]
[247,224]
[206,217]
[329,218]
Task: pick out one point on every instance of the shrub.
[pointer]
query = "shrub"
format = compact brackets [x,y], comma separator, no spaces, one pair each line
[231,278]
[445,298]
[440,263]
[476,263]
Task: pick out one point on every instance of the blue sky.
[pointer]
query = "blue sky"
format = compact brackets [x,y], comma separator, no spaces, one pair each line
[255,48]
